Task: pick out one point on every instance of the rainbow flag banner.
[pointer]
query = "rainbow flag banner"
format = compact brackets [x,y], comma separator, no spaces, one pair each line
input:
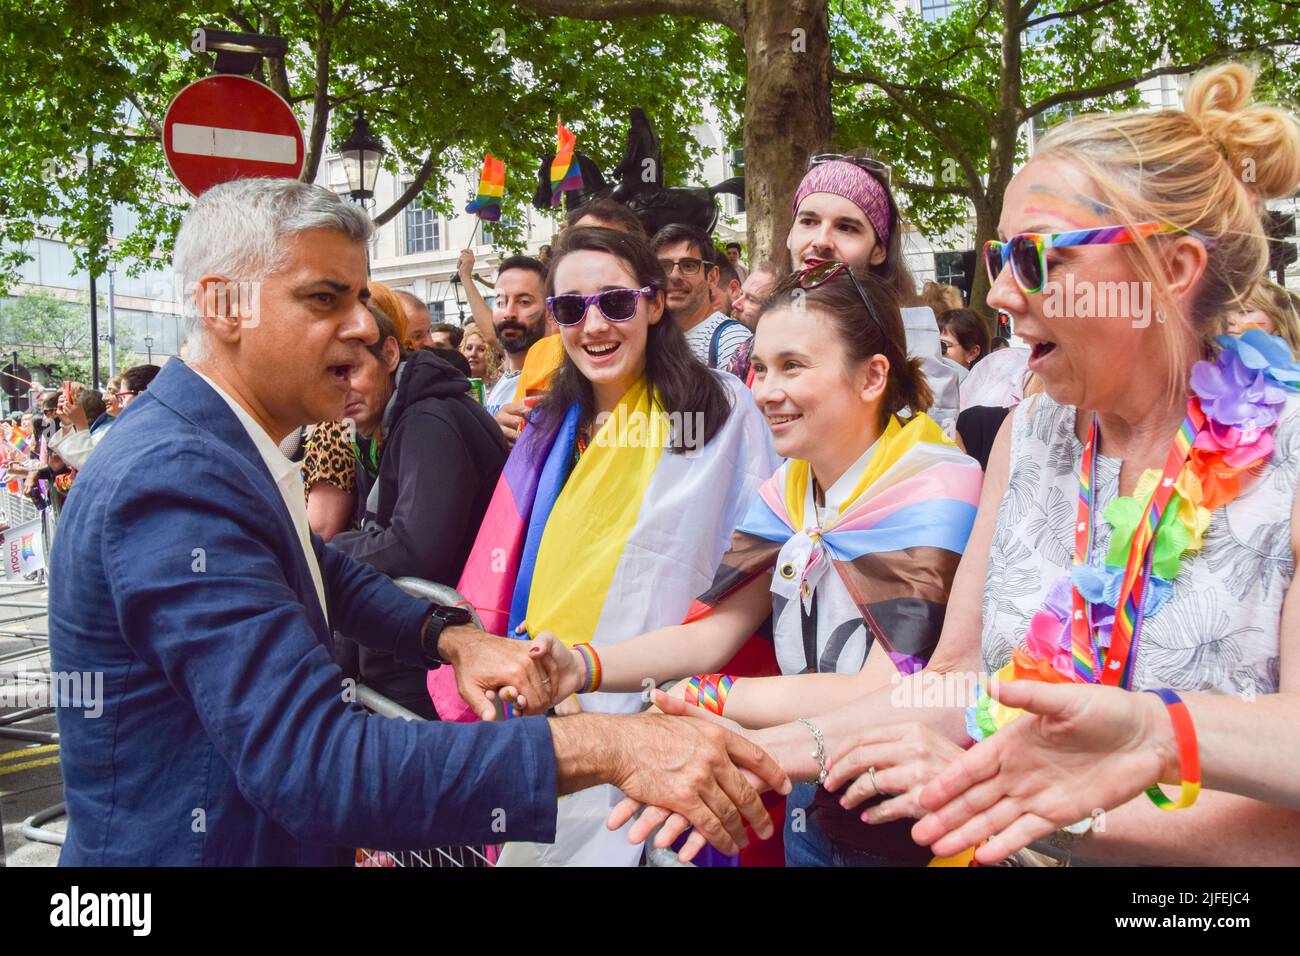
[23,550]
[565,174]
[491,187]
[17,439]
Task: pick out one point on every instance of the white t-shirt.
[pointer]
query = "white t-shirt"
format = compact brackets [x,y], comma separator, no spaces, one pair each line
[733,337]
[840,638]
[503,392]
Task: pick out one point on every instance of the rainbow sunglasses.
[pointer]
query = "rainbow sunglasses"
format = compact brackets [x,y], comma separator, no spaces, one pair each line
[1027,252]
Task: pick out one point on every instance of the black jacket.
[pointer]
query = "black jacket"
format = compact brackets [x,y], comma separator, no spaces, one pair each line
[440,458]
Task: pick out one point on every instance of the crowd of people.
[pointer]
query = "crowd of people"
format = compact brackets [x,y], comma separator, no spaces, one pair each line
[44,449]
[729,538]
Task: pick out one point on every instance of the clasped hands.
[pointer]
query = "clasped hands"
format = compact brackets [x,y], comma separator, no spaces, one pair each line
[689,773]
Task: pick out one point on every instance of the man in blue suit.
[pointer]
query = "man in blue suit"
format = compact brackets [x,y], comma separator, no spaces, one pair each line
[184,571]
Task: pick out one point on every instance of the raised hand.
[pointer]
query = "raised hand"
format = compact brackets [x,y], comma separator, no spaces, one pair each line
[904,756]
[1077,749]
[465,265]
[511,419]
[522,673]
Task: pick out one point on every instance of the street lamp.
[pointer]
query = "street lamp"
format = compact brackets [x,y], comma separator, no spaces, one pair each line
[462,299]
[361,154]
[148,344]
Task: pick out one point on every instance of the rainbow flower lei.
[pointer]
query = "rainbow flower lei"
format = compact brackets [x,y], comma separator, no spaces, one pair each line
[1240,392]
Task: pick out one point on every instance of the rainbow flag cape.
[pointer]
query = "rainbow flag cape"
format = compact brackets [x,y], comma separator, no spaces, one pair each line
[895,543]
[565,173]
[491,187]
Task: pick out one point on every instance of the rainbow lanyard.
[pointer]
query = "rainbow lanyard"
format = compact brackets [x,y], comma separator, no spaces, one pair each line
[1116,669]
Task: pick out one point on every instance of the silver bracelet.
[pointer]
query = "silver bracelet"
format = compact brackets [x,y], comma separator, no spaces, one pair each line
[820,753]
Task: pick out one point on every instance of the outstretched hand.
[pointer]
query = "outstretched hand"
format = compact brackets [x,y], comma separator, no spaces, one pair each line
[1078,748]
[672,823]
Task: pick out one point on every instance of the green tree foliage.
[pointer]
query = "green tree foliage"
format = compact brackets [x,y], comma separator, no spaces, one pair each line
[52,337]
[946,101]
[441,84]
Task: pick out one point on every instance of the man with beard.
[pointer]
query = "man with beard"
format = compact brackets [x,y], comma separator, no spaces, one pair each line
[687,256]
[517,318]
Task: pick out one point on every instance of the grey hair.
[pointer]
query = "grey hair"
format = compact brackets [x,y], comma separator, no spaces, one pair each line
[239,230]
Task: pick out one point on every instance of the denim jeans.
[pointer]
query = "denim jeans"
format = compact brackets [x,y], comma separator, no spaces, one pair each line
[809,845]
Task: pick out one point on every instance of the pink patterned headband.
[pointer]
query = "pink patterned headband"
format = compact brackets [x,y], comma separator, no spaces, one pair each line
[853,183]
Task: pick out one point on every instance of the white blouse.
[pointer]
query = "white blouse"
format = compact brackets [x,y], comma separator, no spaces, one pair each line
[1221,629]
[836,638]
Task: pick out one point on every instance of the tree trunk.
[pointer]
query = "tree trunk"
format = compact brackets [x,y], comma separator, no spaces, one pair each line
[320,104]
[787,112]
[1002,153]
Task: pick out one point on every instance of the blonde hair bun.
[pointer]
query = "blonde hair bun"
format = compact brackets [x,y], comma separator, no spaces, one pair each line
[1261,142]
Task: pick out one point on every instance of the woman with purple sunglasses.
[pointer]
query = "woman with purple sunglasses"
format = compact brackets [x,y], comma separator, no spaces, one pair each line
[618,500]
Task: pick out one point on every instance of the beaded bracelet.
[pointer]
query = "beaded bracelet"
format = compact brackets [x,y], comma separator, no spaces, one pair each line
[1189,757]
[593,673]
[709,691]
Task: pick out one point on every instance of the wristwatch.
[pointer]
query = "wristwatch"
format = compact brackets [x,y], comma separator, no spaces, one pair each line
[440,617]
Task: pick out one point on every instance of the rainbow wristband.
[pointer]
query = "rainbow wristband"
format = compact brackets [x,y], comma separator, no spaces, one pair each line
[709,691]
[592,661]
[1189,756]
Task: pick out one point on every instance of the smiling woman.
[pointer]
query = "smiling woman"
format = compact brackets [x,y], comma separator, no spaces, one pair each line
[850,547]
[1139,526]
[619,498]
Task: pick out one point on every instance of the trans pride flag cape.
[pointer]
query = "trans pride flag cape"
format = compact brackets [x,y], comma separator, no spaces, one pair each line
[895,543]
[616,545]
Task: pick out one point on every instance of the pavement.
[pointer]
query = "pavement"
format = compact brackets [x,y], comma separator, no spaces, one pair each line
[30,780]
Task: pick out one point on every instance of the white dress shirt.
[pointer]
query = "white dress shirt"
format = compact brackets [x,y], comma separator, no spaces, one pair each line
[288,478]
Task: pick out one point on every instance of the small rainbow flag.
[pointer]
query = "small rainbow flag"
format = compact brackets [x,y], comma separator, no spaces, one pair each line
[565,173]
[491,187]
[20,440]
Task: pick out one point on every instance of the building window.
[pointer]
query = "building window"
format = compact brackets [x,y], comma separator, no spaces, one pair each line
[437,312]
[956,269]
[423,229]
[492,230]
[932,10]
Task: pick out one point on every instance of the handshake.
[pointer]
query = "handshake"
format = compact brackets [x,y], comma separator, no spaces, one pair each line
[683,768]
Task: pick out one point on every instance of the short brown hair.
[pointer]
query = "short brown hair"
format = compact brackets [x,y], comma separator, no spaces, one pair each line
[863,337]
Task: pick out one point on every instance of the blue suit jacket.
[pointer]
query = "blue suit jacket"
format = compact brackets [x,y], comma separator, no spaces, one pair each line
[224,736]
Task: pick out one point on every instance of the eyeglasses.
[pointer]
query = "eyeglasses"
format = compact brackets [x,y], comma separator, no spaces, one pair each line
[617,305]
[1027,252]
[863,162]
[822,273]
[689,266]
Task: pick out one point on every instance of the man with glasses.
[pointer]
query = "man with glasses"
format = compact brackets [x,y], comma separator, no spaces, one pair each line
[687,256]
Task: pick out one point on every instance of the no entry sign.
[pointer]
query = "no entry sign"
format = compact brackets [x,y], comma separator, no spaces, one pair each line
[230,127]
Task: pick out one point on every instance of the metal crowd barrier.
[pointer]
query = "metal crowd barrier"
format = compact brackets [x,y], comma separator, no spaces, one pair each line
[456,857]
